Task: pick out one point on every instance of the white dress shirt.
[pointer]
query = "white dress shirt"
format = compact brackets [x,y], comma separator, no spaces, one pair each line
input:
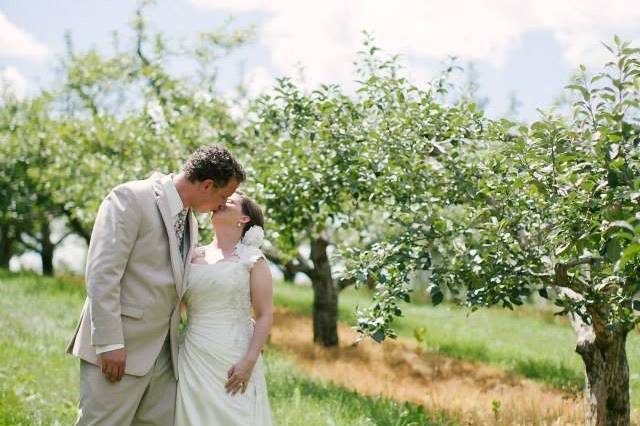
[175,207]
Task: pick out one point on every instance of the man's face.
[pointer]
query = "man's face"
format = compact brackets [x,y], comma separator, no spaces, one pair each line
[212,198]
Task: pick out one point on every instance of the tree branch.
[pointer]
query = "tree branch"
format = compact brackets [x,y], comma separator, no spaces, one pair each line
[583,261]
[153,81]
[30,245]
[302,265]
[63,237]
[585,333]
[344,283]
[562,278]
[76,226]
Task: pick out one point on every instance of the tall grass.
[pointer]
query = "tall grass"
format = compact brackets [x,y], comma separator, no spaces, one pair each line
[39,383]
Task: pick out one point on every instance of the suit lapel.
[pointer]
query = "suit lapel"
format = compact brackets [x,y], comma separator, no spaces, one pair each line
[177,264]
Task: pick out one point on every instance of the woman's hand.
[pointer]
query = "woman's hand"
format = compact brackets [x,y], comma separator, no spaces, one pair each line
[238,376]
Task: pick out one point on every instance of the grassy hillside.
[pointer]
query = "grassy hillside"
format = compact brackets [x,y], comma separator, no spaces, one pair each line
[39,383]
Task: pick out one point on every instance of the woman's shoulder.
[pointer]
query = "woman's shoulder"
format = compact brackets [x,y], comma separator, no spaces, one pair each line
[248,254]
[199,251]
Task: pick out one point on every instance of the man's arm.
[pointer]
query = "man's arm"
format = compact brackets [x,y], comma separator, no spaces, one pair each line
[107,348]
[114,234]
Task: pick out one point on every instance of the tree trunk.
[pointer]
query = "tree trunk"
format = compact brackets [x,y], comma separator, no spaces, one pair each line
[46,254]
[325,296]
[603,351]
[607,380]
[289,272]
[6,245]
[607,373]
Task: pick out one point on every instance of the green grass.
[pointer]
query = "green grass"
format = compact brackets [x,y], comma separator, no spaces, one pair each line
[39,383]
[531,342]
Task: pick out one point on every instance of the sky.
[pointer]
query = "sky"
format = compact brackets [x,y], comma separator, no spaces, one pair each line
[527,49]
[524,48]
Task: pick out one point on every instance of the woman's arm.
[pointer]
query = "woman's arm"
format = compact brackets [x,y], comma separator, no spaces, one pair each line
[262,302]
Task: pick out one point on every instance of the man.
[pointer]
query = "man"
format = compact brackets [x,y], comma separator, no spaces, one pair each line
[141,243]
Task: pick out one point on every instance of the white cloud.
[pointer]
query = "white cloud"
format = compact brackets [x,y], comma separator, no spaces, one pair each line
[232,5]
[12,81]
[14,41]
[258,81]
[324,36]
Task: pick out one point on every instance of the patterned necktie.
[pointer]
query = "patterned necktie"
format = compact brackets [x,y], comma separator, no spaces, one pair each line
[178,226]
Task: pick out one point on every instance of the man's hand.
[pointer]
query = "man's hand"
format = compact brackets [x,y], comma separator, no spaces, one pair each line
[113,363]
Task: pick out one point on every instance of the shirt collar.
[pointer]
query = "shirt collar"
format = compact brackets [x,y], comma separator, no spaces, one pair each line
[175,203]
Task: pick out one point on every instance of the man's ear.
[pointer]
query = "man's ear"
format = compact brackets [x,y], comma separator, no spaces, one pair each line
[207,184]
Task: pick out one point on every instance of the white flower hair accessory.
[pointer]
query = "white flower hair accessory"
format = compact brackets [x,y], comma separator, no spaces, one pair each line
[254,236]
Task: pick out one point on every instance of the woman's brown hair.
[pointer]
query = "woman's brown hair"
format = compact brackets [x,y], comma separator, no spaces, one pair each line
[251,209]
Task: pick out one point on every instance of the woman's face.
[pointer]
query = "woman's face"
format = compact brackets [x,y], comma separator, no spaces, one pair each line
[231,214]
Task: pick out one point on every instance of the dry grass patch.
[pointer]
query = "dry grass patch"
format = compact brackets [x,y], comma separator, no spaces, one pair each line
[476,394]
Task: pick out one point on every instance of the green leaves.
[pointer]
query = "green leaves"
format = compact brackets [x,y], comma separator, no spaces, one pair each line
[613,248]
[504,209]
[394,177]
[111,117]
[584,92]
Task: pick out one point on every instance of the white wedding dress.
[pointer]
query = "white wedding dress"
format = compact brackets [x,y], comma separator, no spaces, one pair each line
[217,336]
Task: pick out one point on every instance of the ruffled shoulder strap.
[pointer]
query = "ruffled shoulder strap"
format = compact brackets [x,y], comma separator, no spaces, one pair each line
[198,251]
[248,255]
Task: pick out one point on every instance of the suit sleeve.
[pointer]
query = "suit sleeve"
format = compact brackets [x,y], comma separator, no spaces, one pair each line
[100,349]
[112,239]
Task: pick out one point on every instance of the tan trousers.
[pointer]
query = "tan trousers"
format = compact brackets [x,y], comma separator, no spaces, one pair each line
[146,400]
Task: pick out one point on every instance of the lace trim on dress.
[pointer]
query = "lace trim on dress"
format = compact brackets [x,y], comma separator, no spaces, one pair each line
[198,251]
[247,254]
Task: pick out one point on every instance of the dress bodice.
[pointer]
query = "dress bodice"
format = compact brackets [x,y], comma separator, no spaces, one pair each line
[220,292]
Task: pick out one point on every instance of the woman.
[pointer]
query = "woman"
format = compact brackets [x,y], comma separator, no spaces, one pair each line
[221,370]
